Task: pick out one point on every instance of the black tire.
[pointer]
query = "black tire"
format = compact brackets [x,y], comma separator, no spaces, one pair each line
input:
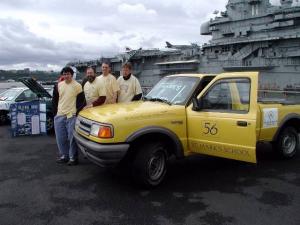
[287,143]
[150,164]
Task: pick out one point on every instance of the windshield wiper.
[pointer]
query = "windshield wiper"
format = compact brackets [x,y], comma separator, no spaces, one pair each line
[158,100]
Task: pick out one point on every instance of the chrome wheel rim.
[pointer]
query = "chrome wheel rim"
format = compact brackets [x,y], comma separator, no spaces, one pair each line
[289,143]
[156,165]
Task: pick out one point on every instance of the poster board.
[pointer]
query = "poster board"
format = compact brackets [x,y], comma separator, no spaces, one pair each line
[28,118]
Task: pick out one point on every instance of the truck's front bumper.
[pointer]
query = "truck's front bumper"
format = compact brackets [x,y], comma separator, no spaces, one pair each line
[105,155]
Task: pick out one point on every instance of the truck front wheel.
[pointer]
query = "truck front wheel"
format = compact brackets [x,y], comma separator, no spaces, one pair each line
[287,143]
[150,164]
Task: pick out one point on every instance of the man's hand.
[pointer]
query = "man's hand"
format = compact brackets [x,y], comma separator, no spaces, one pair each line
[88,106]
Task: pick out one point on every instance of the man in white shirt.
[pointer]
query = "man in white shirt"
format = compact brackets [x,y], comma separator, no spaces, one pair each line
[110,84]
[94,89]
[130,88]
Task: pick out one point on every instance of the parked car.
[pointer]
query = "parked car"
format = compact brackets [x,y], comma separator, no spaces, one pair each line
[33,91]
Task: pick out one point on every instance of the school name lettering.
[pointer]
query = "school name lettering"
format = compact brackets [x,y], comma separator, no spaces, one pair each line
[219,149]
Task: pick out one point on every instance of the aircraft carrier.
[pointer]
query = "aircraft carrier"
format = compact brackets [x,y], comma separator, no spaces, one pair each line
[249,35]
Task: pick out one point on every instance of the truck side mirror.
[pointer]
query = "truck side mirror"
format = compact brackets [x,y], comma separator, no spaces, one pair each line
[196,104]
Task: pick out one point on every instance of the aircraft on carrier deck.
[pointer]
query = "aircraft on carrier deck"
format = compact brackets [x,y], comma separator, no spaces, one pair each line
[249,35]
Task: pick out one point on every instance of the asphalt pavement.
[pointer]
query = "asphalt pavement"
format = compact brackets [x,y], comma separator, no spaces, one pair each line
[197,190]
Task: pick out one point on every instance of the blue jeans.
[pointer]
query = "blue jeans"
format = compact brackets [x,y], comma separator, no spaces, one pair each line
[64,136]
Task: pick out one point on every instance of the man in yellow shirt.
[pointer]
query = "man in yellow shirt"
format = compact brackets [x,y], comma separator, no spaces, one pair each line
[110,83]
[64,122]
[130,88]
[94,89]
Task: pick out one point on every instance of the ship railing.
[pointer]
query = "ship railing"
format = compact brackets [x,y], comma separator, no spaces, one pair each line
[248,63]
[292,61]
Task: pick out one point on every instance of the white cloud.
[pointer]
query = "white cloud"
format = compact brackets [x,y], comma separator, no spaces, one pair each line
[110,3]
[20,46]
[49,33]
[135,10]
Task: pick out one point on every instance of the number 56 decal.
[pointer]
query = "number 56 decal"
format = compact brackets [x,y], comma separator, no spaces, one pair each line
[210,128]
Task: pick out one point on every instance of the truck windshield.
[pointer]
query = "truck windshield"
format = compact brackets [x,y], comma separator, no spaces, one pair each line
[173,90]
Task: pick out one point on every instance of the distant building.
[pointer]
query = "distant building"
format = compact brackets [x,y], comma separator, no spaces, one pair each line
[26,70]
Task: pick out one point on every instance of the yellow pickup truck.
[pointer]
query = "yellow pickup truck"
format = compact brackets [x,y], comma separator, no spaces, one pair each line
[223,116]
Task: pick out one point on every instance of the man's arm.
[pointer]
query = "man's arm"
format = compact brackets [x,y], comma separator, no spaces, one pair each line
[99,101]
[138,91]
[80,102]
[137,97]
[116,89]
[55,98]
[114,97]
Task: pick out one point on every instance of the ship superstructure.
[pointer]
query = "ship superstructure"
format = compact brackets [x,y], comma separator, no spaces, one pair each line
[254,35]
[249,35]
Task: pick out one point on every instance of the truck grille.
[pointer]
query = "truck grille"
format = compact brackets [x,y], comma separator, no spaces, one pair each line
[84,125]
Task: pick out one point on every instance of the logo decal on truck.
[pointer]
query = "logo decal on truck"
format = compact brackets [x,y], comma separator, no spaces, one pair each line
[270,117]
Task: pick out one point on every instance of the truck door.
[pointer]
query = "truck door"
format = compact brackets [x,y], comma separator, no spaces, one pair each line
[224,124]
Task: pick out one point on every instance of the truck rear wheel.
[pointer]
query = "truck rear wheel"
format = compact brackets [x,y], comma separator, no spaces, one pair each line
[150,164]
[287,143]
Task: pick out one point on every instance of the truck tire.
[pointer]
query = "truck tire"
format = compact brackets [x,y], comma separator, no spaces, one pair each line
[287,143]
[150,164]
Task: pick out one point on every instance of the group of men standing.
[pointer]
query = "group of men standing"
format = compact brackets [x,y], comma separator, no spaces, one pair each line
[69,97]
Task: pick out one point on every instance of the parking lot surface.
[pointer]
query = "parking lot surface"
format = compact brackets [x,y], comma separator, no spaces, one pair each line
[198,190]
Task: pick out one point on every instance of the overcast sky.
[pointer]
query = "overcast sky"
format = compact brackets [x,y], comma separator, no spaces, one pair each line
[46,34]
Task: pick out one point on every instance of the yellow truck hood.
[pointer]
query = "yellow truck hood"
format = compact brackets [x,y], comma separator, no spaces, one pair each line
[129,111]
[128,118]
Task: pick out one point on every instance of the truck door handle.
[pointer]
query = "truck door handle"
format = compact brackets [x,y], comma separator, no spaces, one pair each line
[242,123]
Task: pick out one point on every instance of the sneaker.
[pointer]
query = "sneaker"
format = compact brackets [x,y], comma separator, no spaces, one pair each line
[62,160]
[72,162]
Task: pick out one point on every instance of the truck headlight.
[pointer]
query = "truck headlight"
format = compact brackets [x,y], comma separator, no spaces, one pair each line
[101,131]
